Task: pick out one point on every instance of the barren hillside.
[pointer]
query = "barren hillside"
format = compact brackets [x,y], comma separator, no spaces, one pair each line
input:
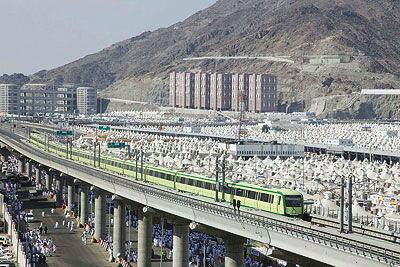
[365,30]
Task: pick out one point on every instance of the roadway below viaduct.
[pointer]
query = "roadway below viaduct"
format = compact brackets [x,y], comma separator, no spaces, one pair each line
[292,235]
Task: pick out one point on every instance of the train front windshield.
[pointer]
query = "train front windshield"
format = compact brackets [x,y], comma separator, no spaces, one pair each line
[293,201]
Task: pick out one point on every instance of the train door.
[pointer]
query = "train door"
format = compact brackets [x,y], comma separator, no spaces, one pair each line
[278,204]
[272,205]
[174,177]
[145,171]
[231,191]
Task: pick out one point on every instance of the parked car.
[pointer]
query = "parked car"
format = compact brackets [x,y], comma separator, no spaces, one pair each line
[29,217]
[4,240]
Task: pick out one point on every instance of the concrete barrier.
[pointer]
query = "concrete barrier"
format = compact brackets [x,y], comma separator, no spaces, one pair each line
[11,229]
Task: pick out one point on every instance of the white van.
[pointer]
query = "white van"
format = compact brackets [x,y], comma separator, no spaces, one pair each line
[4,240]
[29,217]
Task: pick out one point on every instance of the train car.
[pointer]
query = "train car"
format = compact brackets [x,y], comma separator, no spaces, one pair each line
[281,201]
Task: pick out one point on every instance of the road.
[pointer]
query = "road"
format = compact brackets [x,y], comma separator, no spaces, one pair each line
[70,250]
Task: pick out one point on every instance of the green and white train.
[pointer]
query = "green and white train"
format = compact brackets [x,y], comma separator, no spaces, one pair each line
[279,201]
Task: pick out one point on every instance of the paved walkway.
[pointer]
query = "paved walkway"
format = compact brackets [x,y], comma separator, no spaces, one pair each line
[70,249]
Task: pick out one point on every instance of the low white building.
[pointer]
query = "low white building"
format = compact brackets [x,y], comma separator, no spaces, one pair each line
[191,129]
[388,133]
[247,149]
[340,142]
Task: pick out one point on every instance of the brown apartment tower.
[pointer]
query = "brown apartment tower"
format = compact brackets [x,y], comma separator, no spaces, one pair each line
[262,93]
[202,91]
[182,89]
[240,92]
[221,91]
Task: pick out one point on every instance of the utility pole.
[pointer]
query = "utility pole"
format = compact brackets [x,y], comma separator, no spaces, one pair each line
[141,164]
[99,159]
[136,160]
[216,179]
[350,193]
[67,143]
[94,153]
[223,178]
[241,99]
[341,204]
[129,151]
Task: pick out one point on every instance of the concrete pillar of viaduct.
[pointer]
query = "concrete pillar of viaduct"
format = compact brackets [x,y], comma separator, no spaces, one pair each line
[83,204]
[99,213]
[58,189]
[37,176]
[119,227]
[180,253]
[21,166]
[28,168]
[47,180]
[71,194]
[144,238]
[234,251]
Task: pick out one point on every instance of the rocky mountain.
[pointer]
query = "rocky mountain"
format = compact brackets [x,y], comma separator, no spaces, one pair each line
[16,78]
[363,33]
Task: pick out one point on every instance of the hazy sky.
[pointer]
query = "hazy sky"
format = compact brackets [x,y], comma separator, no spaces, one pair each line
[42,34]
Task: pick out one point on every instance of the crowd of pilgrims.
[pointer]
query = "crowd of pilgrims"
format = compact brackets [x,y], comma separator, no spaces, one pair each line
[201,245]
[36,247]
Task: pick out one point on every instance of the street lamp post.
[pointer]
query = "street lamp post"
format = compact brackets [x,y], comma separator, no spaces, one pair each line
[141,164]
[223,179]
[216,179]
[350,195]
[341,204]
[136,162]
[94,153]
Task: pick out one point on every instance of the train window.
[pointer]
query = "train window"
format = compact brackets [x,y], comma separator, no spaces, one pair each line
[160,175]
[227,189]
[279,200]
[264,197]
[181,180]
[207,186]
[199,184]
[239,192]
[251,194]
[168,177]
[272,198]
[293,201]
[190,181]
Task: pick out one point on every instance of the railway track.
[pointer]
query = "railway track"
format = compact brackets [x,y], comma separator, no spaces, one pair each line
[392,237]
